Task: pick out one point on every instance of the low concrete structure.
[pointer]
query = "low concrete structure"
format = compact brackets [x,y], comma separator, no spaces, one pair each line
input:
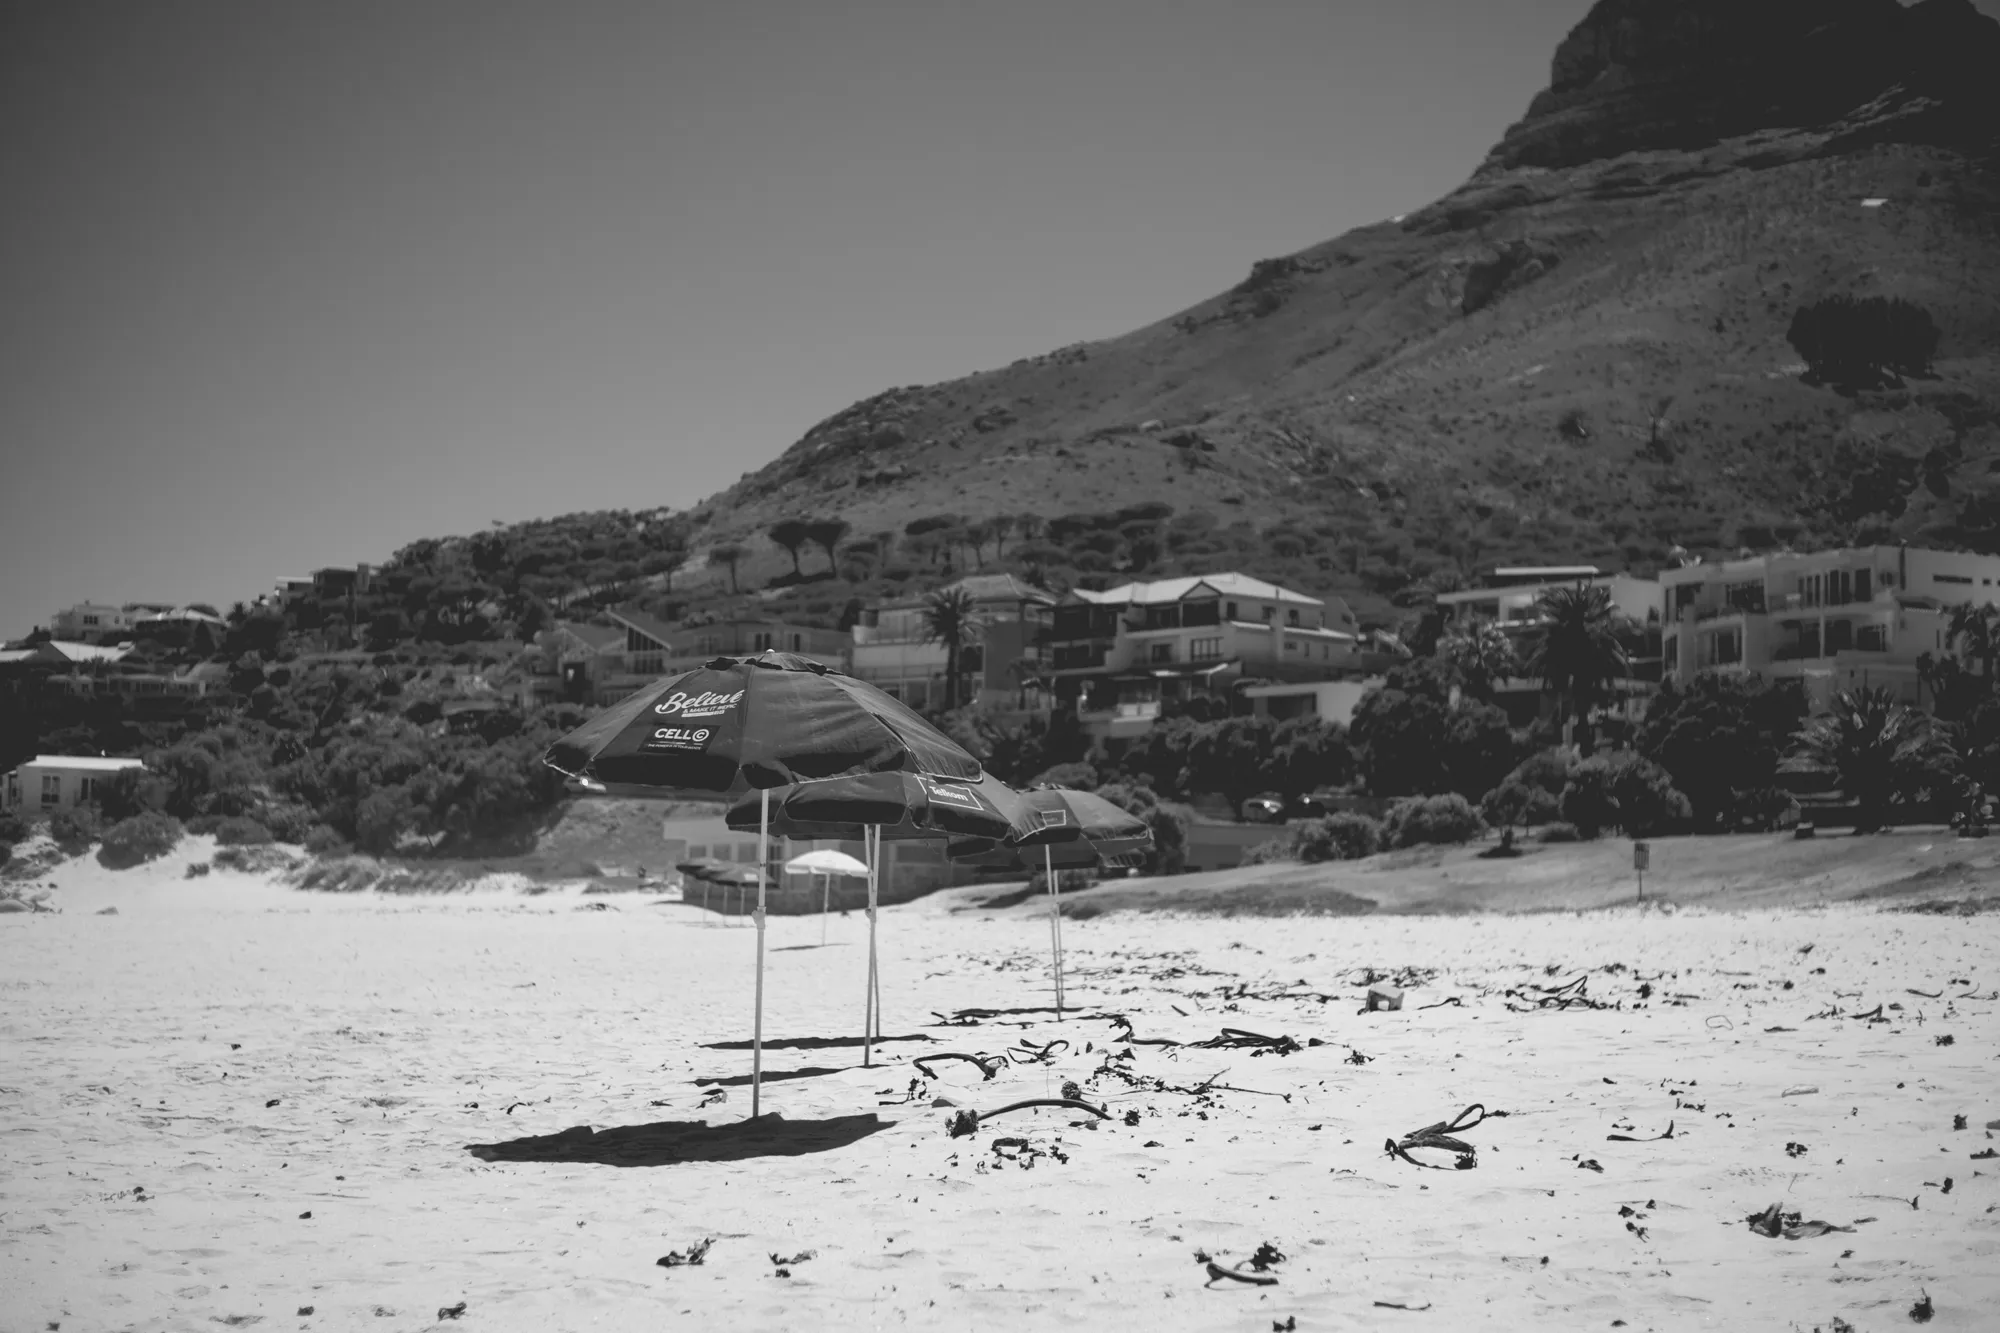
[52,782]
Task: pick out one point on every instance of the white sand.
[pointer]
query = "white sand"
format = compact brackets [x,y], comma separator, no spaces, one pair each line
[142,1048]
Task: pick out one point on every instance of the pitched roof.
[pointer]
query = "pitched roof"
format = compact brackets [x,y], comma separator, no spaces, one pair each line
[1002,587]
[597,636]
[86,652]
[1229,584]
[651,626]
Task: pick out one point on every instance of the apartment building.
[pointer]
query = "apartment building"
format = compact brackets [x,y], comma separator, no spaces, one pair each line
[1834,620]
[1510,598]
[1120,655]
[1001,668]
[93,622]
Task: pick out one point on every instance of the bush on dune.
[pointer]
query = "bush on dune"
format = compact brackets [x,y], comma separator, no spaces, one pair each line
[1418,820]
[141,838]
[75,829]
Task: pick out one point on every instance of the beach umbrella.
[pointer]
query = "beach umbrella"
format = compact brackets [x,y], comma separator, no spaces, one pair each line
[763,722]
[1097,833]
[894,807]
[826,864]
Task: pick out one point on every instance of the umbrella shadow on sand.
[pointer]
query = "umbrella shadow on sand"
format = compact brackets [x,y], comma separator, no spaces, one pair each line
[770,1076]
[811,1043]
[669,1142]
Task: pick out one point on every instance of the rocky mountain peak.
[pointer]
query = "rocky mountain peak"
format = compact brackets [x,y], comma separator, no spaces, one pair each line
[1639,75]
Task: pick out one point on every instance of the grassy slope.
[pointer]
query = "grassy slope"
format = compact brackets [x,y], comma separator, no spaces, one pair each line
[1349,391]
[1907,868]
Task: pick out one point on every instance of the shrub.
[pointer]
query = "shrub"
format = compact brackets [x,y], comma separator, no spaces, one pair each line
[1624,791]
[1515,802]
[13,829]
[141,838]
[202,825]
[288,823]
[323,841]
[75,829]
[241,831]
[1341,836]
[1271,850]
[1417,820]
[196,870]
[1560,831]
[1077,777]
[1760,810]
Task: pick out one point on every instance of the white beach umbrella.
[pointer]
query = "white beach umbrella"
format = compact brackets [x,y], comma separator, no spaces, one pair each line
[826,863]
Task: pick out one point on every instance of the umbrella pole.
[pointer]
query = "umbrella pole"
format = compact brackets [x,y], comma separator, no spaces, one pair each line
[757,1032]
[825,896]
[873,846]
[1055,926]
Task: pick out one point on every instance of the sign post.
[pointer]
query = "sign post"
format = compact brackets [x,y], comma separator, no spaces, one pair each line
[1642,856]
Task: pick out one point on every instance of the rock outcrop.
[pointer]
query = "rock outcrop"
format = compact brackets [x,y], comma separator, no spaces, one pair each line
[1683,74]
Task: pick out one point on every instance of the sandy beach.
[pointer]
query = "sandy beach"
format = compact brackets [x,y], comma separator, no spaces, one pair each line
[230,1102]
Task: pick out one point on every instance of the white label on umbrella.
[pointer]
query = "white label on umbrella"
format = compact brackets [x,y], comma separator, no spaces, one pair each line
[682,704]
[1053,818]
[678,738]
[944,793]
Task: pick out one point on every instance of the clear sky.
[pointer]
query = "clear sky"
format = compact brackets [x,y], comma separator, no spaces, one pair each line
[289,284]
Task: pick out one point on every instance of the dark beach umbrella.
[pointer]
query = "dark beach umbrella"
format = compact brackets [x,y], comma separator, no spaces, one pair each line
[762,722]
[765,721]
[890,807]
[1073,829]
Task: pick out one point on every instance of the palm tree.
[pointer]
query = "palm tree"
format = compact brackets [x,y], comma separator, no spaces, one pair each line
[1878,747]
[1577,653]
[950,619]
[790,533]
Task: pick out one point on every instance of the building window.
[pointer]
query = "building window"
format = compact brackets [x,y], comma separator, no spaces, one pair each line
[798,643]
[1291,617]
[1163,652]
[86,790]
[51,789]
[1870,639]
[1270,613]
[1949,578]
[1204,650]
[1230,610]
[1727,648]
[762,643]
[1291,645]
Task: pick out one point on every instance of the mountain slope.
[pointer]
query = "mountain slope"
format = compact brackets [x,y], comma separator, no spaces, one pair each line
[1580,354]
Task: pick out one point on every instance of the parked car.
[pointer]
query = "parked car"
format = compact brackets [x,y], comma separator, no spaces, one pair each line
[1264,810]
[1305,807]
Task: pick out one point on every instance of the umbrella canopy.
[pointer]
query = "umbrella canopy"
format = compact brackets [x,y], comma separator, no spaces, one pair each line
[1094,817]
[904,806]
[765,721]
[826,862]
[718,872]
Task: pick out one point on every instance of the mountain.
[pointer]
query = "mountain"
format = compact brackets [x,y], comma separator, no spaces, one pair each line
[1580,354]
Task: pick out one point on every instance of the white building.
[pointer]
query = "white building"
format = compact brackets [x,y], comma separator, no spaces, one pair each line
[1833,620]
[60,782]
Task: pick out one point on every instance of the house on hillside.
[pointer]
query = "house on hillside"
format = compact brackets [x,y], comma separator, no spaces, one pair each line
[1833,620]
[1001,668]
[91,622]
[602,664]
[52,782]
[1119,656]
[1510,598]
[197,628]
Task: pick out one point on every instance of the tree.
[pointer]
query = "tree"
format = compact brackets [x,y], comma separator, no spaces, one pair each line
[1974,634]
[1482,654]
[1862,343]
[950,619]
[1577,653]
[826,533]
[1720,736]
[1882,750]
[730,554]
[790,533]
